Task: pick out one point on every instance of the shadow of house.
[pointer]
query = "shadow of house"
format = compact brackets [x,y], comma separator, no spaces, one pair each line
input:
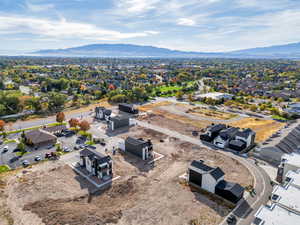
[141,165]
[117,132]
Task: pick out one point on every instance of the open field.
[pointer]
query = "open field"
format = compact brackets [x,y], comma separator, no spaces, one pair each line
[263,128]
[52,193]
[176,116]
[151,106]
[212,113]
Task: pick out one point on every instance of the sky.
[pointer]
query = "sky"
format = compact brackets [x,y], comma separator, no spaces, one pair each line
[191,25]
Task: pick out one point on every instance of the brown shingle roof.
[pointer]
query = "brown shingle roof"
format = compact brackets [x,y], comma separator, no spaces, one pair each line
[39,136]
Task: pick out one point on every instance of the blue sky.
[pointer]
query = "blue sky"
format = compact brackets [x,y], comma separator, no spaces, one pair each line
[195,25]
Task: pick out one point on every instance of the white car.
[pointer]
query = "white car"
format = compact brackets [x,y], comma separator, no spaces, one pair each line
[5,149]
[37,158]
[66,149]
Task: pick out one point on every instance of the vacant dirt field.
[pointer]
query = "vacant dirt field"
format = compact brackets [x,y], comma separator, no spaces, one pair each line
[263,128]
[212,113]
[51,193]
[151,106]
[175,122]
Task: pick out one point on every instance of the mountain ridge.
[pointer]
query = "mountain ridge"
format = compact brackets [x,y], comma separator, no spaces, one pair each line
[291,50]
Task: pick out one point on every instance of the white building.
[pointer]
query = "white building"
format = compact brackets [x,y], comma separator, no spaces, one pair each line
[287,196]
[275,215]
[215,96]
[288,162]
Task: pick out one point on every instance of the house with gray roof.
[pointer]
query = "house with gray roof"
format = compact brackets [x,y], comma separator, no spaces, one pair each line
[139,147]
[96,164]
[212,180]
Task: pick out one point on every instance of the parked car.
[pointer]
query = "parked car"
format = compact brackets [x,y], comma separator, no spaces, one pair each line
[59,134]
[76,147]
[38,158]
[14,159]
[5,149]
[66,149]
[69,133]
[25,163]
[231,219]
[80,140]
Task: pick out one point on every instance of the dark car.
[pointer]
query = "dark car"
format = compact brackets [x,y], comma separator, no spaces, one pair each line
[25,163]
[59,134]
[80,140]
[14,159]
[68,133]
[5,149]
[231,219]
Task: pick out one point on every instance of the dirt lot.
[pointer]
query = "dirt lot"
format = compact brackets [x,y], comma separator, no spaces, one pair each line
[162,114]
[263,128]
[175,122]
[148,107]
[51,193]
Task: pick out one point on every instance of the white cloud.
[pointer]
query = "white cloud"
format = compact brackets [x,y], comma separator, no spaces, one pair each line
[257,31]
[136,6]
[186,22]
[38,7]
[62,29]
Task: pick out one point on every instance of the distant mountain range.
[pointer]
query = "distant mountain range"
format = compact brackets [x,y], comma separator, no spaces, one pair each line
[129,50]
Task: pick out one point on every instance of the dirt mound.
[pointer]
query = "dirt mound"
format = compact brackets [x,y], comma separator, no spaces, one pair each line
[122,189]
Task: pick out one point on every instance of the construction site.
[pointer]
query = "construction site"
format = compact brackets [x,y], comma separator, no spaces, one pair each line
[147,193]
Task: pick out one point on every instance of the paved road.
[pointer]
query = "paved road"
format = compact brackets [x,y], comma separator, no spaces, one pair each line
[245,211]
[42,121]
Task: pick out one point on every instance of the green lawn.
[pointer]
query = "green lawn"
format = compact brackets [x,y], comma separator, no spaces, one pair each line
[21,153]
[165,89]
[4,168]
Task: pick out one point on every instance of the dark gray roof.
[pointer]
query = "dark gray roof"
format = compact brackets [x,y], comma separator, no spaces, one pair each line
[217,127]
[245,133]
[119,118]
[200,167]
[107,112]
[135,141]
[126,105]
[237,143]
[95,155]
[229,133]
[217,173]
[234,188]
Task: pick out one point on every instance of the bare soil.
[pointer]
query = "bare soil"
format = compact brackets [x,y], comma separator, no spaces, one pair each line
[52,193]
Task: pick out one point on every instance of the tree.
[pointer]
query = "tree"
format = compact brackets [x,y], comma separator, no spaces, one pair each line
[21,146]
[179,94]
[60,117]
[253,108]
[2,125]
[84,125]
[190,97]
[73,122]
